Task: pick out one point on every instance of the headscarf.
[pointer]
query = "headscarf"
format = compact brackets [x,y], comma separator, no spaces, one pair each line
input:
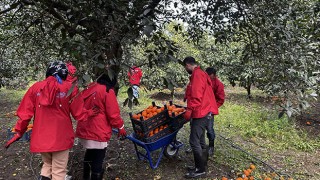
[57,69]
[104,79]
[56,72]
[72,71]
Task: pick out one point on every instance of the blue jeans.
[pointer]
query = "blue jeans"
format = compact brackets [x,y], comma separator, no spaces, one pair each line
[135,90]
[210,130]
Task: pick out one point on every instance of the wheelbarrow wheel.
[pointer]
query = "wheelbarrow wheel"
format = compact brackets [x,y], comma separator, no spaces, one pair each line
[170,151]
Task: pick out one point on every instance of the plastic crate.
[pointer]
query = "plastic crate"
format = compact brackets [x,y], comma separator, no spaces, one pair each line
[144,126]
[156,136]
[26,136]
[176,122]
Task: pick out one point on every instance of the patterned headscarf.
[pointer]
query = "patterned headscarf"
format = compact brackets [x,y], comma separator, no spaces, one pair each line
[57,69]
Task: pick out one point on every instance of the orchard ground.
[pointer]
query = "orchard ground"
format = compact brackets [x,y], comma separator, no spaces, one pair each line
[248,132]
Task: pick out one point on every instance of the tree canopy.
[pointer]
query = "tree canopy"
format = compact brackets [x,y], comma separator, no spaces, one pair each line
[273,45]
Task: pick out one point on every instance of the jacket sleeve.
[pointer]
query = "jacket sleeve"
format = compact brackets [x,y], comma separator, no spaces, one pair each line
[198,83]
[77,106]
[112,110]
[219,95]
[26,110]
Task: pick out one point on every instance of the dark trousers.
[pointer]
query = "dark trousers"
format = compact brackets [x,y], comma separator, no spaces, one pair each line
[210,130]
[93,159]
[197,140]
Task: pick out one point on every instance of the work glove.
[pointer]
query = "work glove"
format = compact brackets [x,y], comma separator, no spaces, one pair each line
[15,138]
[93,111]
[187,115]
[122,132]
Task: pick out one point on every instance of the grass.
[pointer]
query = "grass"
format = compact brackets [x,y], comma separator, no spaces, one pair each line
[253,123]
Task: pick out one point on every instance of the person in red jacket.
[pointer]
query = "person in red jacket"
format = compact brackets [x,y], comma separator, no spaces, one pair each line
[218,91]
[134,75]
[95,134]
[52,134]
[201,106]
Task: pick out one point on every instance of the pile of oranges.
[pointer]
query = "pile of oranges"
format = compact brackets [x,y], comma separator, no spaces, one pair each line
[175,110]
[147,113]
[154,131]
[29,127]
[157,130]
[151,111]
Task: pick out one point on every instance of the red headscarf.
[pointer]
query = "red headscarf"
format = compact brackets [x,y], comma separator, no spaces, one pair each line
[72,71]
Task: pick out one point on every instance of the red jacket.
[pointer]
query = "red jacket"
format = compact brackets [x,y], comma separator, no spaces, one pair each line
[99,128]
[218,90]
[199,95]
[135,74]
[48,103]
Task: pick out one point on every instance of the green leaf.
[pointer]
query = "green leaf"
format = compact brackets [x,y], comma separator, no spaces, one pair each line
[111,74]
[145,12]
[86,77]
[100,65]
[148,30]
[72,88]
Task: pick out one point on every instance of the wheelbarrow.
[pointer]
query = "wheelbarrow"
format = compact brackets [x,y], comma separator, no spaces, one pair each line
[168,144]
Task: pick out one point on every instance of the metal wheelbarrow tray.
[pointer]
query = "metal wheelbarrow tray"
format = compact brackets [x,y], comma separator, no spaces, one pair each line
[168,144]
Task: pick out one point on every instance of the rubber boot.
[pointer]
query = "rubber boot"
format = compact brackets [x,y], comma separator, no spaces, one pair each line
[86,171]
[43,178]
[200,168]
[211,148]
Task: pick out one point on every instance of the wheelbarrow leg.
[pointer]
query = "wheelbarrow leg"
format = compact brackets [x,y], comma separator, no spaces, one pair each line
[137,152]
[148,154]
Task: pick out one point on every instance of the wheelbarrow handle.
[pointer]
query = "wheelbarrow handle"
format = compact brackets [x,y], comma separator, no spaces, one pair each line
[116,131]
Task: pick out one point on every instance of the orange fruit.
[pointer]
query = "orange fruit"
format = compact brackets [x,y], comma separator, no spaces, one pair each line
[224,178]
[245,172]
[251,178]
[267,178]
[134,116]
[239,178]
[149,111]
[154,109]
[158,110]
[144,113]
[252,166]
